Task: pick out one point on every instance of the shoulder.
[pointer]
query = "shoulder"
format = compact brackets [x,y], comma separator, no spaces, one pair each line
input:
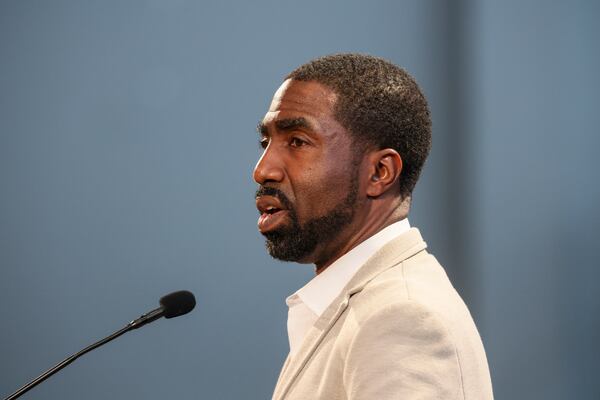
[412,319]
[416,285]
[414,294]
[403,305]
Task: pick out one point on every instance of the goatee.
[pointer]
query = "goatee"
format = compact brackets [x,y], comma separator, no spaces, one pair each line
[294,242]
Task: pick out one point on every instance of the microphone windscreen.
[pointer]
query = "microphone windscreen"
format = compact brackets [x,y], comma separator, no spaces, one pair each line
[177,303]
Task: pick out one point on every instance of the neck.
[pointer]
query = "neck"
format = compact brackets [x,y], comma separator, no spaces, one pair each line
[376,218]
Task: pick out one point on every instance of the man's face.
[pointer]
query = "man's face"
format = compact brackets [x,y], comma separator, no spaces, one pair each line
[307,174]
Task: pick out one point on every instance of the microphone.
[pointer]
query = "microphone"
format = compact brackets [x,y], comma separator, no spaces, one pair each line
[171,306]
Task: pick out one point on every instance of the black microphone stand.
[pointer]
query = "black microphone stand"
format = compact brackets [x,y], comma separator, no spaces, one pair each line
[143,320]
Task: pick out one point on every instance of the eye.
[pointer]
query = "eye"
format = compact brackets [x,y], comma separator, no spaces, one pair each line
[297,142]
[263,143]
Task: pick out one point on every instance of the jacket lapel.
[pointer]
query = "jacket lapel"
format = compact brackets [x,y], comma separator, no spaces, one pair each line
[393,253]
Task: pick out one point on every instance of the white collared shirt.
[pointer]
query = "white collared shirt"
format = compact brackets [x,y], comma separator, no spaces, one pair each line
[309,302]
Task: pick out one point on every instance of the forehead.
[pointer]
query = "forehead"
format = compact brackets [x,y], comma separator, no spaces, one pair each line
[301,99]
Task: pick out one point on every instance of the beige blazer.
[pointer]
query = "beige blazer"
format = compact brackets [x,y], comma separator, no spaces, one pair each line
[398,330]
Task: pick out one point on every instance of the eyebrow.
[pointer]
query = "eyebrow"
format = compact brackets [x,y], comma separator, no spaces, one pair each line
[286,125]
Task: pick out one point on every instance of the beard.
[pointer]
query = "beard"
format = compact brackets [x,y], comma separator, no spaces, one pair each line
[295,241]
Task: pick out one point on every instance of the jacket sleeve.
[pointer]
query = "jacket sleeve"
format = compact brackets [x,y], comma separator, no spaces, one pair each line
[402,351]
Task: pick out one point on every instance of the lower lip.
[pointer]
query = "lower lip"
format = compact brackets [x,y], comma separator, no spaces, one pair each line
[269,222]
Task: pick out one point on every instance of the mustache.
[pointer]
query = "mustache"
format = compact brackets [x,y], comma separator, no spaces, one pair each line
[271,191]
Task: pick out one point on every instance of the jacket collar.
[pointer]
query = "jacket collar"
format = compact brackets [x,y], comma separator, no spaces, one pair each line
[391,254]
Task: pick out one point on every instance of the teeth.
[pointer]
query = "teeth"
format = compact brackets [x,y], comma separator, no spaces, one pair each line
[270,208]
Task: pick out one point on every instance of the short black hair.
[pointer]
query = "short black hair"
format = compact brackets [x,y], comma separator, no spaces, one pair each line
[380,104]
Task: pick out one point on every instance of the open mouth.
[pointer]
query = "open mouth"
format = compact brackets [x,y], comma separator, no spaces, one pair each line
[268,204]
[272,210]
[271,219]
[272,213]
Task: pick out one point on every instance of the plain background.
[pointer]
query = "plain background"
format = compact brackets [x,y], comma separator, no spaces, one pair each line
[127,141]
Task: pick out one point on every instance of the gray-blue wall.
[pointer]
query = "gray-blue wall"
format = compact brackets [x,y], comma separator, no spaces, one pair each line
[127,142]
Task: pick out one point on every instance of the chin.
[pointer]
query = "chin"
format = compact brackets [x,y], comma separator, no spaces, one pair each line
[289,248]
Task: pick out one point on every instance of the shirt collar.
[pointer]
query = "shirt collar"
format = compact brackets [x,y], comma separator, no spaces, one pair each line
[320,291]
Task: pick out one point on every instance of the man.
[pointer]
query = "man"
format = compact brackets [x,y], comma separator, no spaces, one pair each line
[344,140]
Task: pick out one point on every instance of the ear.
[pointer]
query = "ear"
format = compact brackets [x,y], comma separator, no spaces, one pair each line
[385,167]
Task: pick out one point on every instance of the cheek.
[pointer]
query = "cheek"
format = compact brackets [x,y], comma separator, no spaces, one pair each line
[321,190]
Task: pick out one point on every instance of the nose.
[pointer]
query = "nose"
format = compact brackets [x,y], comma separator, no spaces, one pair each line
[269,167]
